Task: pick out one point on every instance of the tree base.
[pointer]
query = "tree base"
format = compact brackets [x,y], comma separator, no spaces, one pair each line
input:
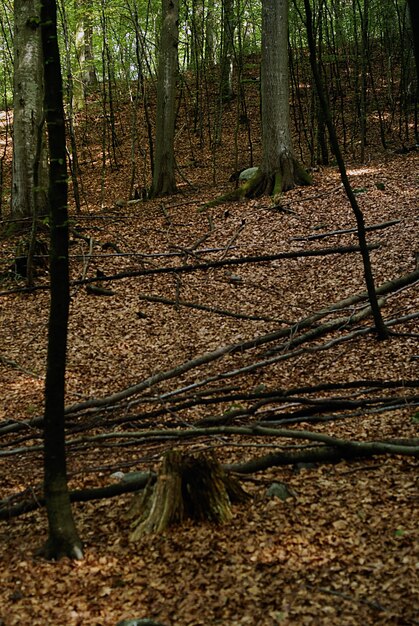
[57,548]
[63,538]
[290,174]
[188,487]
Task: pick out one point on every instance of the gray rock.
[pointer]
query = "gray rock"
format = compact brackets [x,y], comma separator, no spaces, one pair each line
[247,174]
[281,491]
[118,475]
[134,477]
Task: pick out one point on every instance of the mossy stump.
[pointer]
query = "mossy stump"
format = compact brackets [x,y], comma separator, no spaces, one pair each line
[188,486]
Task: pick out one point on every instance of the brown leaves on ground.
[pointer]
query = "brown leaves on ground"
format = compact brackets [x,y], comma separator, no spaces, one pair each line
[344,551]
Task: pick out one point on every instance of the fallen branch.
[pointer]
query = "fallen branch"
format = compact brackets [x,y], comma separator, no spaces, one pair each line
[186,269]
[344,231]
[9,510]
[319,454]
[334,451]
[117,397]
[210,309]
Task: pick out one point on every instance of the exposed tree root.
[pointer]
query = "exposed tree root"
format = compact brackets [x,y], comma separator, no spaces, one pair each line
[273,184]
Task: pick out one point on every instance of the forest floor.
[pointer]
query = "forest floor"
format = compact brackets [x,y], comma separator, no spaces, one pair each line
[344,548]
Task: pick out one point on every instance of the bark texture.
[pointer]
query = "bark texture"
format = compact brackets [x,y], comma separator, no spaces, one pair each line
[164,180]
[227,49]
[86,75]
[188,487]
[280,170]
[30,174]
[63,539]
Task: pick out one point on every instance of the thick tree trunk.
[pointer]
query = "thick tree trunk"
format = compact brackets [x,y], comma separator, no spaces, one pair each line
[188,487]
[30,173]
[164,181]
[63,539]
[280,170]
[85,55]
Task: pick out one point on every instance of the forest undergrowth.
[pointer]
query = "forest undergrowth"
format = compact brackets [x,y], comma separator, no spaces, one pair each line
[288,345]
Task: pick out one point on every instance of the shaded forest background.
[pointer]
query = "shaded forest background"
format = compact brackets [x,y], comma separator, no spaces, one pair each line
[295,370]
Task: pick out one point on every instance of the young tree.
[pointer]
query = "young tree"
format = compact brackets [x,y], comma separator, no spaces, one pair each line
[380,327]
[84,44]
[164,181]
[414,18]
[86,76]
[63,539]
[29,185]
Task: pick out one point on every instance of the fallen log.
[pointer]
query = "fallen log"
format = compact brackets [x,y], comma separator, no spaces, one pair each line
[339,451]
[344,231]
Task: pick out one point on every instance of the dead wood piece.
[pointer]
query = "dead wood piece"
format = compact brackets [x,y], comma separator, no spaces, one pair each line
[210,309]
[114,398]
[94,290]
[5,361]
[15,506]
[322,454]
[332,450]
[188,268]
[188,487]
[344,231]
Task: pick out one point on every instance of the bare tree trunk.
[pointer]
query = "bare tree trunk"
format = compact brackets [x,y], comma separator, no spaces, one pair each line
[87,78]
[29,162]
[414,18]
[227,49]
[280,170]
[63,539]
[164,181]
[381,329]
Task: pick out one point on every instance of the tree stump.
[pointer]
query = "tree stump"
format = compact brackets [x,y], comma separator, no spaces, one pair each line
[188,486]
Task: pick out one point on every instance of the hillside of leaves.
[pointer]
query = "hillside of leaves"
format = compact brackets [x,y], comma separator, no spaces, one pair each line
[243,331]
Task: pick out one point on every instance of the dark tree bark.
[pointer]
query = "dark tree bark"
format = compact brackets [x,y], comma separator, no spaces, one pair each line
[164,180]
[63,539]
[227,49]
[381,329]
[414,18]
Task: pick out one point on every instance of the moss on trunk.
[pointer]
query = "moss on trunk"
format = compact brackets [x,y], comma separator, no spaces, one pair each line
[288,175]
